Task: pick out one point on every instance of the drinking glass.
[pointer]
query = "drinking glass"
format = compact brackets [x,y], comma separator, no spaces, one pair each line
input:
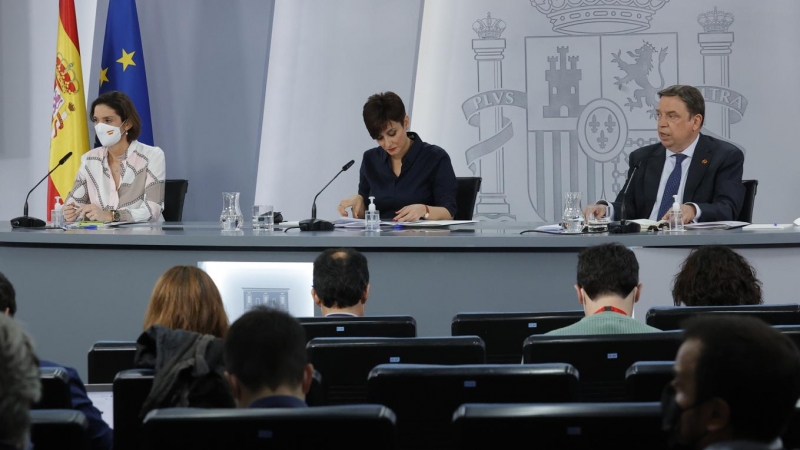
[598,225]
[263,218]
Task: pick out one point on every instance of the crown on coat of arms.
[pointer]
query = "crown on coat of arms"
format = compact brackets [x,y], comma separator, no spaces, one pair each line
[65,75]
[715,21]
[489,28]
[581,17]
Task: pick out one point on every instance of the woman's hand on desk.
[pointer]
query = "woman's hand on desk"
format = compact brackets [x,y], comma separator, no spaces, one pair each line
[410,213]
[70,212]
[93,212]
[356,202]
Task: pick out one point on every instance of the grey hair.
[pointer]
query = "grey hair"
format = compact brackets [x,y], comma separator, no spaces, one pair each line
[19,381]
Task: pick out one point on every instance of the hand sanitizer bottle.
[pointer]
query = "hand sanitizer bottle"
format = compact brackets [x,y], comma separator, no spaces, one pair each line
[676,216]
[373,217]
[57,214]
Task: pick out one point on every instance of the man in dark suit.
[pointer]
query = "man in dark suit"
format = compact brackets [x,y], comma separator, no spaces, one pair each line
[266,360]
[705,173]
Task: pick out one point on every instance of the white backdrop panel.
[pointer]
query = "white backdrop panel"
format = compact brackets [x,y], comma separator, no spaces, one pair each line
[326,59]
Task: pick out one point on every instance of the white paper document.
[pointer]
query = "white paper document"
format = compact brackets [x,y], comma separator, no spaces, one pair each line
[768,226]
[349,222]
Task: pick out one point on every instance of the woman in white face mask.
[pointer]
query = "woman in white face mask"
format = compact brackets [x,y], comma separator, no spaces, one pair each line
[124,179]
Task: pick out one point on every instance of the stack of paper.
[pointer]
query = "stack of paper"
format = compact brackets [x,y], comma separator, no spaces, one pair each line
[725,225]
[349,222]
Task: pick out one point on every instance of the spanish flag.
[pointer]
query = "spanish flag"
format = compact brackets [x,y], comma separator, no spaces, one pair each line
[69,128]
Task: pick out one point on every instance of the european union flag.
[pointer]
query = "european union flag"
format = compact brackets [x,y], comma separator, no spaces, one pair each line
[122,67]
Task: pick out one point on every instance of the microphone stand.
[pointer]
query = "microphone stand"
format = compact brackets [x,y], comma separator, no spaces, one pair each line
[24,221]
[314,224]
[623,226]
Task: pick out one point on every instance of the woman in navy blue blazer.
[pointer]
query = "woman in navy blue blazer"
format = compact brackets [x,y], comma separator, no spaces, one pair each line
[410,179]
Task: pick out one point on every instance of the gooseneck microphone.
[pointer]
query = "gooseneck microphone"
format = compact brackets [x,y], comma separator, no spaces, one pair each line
[314,224]
[31,222]
[623,226]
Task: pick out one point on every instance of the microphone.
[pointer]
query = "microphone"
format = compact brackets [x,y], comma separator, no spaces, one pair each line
[314,224]
[623,226]
[31,222]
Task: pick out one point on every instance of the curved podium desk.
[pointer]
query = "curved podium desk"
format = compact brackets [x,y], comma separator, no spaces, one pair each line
[81,286]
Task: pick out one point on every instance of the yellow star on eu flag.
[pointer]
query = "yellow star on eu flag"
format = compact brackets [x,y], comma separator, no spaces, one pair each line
[127,59]
[103,76]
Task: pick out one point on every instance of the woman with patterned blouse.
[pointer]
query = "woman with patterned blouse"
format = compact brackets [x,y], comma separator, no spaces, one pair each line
[124,179]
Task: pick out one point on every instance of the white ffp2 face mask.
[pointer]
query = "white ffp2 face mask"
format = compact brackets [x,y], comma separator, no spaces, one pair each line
[107,134]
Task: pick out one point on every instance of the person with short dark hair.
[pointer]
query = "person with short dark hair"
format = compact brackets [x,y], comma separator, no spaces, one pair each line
[266,360]
[715,275]
[608,287]
[8,297]
[704,172]
[20,386]
[736,384]
[101,437]
[410,179]
[123,180]
[341,282]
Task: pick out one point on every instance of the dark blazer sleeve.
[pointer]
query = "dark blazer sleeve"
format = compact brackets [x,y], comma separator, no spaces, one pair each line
[363,183]
[101,437]
[445,185]
[729,191]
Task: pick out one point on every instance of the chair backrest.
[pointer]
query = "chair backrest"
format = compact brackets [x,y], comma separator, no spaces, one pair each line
[373,326]
[503,333]
[55,389]
[174,196]
[750,190]
[671,317]
[352,427]
[63,429]
[620,426]
[107,358]
[466,196]
[131,388]
[602,360]
[645,380]
[791,437]
[345,363]
[424,397]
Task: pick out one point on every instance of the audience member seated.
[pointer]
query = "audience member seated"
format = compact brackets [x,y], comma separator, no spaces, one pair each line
[20,387]
[714,275]
[183,342]
[608,287]
[266,360]
[341,282]
[186,298]
[101,437]
[736,384]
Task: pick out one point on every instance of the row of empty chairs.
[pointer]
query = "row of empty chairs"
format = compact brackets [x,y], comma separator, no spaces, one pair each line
[472,426]
[503,334]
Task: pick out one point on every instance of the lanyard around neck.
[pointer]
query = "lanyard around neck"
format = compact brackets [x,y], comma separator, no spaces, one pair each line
[611,309]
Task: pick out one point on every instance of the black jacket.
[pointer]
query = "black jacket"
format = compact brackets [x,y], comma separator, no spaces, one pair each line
[189,369]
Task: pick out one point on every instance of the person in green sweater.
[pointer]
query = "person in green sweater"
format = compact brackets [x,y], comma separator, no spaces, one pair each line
[608,287]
